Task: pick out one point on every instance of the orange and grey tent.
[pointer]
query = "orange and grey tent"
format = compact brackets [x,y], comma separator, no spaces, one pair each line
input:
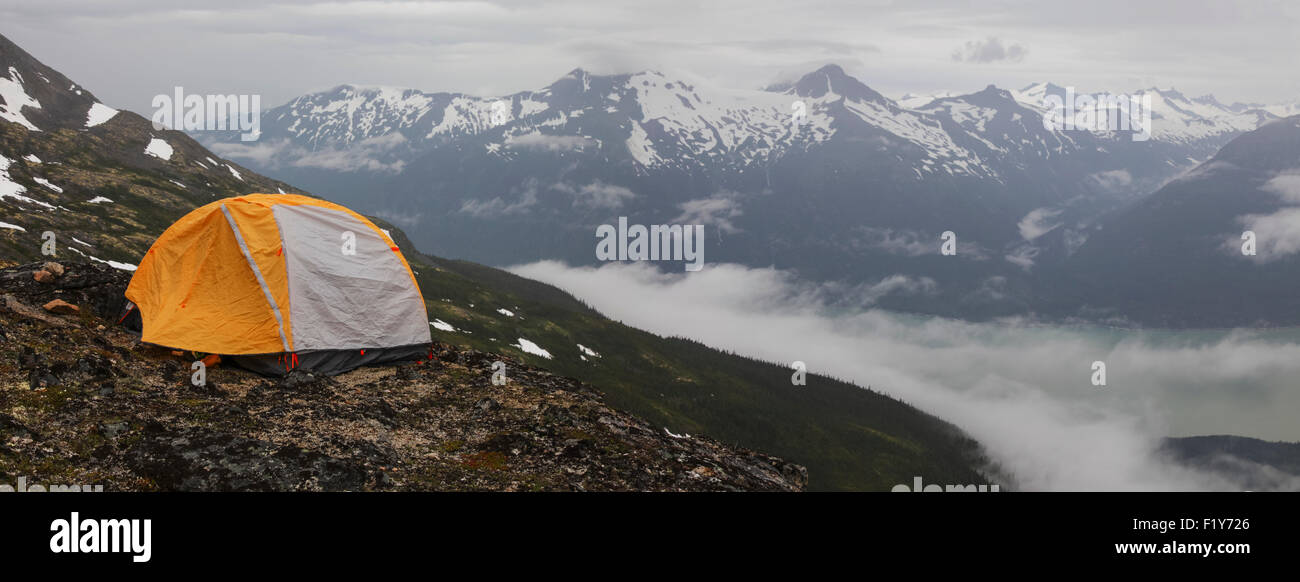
[280,281]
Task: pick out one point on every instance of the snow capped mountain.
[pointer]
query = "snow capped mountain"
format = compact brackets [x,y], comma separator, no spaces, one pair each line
[1176,118]
[917,100]
[1281,110]
[872,180]
[350,114]
[666,123]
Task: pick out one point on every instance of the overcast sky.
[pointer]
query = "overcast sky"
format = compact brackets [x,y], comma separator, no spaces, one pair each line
[126,51]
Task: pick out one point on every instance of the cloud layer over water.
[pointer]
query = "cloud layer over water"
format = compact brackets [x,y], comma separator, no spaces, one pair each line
[1023,391]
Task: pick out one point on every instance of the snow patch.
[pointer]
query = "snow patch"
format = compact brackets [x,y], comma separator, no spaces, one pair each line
[159,149]
[99,113]
[506,312]
[47,184]
[12,226]
[12,189]
[532,348]
[114,264]
[98,199]
[441,325]
[14,99]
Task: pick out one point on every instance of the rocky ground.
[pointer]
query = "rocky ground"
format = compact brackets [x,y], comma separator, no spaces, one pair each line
[82,401]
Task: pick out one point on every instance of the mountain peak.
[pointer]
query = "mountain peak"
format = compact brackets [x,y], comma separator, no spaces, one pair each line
[1170,93]
[574,82]
[831,79]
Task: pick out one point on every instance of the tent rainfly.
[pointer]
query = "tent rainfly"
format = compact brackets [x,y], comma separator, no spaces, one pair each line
[276,282]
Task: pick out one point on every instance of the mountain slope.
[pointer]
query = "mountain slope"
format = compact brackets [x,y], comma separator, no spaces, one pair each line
[1253,464]
[1175,258]
[84,401]
[75,162]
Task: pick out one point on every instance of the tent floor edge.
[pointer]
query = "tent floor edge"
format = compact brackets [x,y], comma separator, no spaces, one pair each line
[329,362]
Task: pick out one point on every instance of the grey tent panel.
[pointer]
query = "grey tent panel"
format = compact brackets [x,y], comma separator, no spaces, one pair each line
[346,301]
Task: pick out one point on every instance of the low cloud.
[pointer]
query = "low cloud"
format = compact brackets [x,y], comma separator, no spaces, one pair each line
[908,243]
[597,194]
[718,211]
[261,153]
[372,155]
[1113,180]
[1277,235]
[550,143]
[1038,223]
[912,243]
[990,50]
[1021,390]
[500,206]
[1022,256]
[1286,185]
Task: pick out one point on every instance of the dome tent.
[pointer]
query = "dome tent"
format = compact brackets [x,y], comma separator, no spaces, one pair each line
[280,281]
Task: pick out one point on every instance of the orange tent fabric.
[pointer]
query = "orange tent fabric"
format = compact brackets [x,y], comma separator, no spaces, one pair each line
[235,277]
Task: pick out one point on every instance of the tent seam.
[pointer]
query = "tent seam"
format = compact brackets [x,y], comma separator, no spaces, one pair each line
[266,290]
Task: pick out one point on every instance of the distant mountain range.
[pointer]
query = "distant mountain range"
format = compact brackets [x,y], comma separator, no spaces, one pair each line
[823,176]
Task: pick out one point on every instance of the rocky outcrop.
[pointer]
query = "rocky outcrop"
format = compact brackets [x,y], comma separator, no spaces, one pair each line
[82,401]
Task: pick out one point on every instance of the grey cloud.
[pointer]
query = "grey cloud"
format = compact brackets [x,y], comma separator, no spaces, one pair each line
[499,206]
[990,50]
[1277,233]
[368,154]
[718,210]
[1021,390]
[597,194]
[546,142]
[286,48]
[1113,180]
[912,243]
[1037,223]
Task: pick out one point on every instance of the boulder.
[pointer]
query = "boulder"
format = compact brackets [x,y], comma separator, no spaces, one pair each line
[53,268]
